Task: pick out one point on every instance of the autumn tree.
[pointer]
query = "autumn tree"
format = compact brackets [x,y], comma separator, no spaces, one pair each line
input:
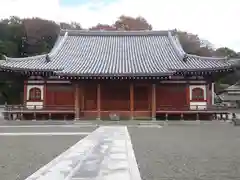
[71,26]
[40,35]
[132,24]
[192,44]
[105,27]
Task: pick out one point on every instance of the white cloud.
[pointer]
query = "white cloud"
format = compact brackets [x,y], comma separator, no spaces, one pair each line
[214,20]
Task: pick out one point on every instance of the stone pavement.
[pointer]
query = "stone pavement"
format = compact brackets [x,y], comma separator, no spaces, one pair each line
[95,123]
[105,154]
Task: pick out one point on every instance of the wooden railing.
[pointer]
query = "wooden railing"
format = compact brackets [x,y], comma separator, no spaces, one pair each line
[193,108]
[71,109]
[38,108]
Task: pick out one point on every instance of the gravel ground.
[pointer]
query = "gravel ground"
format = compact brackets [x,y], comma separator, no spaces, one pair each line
[200,152]
[22,156]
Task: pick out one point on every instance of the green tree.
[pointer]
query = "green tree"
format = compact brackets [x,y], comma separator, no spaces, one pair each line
[225,51]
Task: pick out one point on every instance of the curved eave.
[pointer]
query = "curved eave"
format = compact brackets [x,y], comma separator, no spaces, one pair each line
[116,77]
[215,69]
[161,74]
[28,69]
[25,58]
[206,57]
[235,63]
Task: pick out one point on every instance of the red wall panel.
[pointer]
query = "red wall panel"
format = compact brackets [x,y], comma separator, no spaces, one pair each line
[171,96]
[115,97]
[141,98]
[90,96]
[59,95]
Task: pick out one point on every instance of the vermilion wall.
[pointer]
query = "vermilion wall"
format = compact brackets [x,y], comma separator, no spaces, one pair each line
[89,91]
[115,97]
[59,95]
[142,97]
[173,96]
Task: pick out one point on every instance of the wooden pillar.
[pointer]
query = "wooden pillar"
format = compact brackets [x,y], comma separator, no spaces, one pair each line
[82,105]
[209,94]
[25,96]
[98,102]
[188,95]
[153,101]
[77,112]
[45,94]
[213,93]
[131,101]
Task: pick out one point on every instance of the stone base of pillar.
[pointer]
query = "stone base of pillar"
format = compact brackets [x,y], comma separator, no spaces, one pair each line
[153,118]
[76,119]
[98,118]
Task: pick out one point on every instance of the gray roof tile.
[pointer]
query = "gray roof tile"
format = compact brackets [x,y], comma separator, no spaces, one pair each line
[229,97]
[116,53]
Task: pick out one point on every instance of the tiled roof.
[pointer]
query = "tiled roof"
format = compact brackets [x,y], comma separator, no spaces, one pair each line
[229,97]
[116,53]
[235,87]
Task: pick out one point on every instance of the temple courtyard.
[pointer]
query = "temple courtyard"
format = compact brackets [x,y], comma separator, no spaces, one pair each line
[177,151]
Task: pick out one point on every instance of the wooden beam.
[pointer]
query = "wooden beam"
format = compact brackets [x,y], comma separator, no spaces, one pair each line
[131,100]
[77,111]
[153,101]
[98,101]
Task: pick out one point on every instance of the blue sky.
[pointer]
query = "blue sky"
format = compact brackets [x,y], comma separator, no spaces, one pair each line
[213,20]
[82,2]
[72,2]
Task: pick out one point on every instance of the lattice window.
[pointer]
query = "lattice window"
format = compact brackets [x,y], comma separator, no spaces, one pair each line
[35,94]
[198,94]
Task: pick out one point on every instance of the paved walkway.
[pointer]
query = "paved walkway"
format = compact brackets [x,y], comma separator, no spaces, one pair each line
[96,123]
[105,154]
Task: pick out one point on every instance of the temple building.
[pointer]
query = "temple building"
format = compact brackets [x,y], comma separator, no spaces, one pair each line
[128,74]
[231,96]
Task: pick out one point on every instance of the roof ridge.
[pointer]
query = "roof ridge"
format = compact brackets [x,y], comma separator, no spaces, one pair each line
[57,46]
[177,45]
[115,33]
